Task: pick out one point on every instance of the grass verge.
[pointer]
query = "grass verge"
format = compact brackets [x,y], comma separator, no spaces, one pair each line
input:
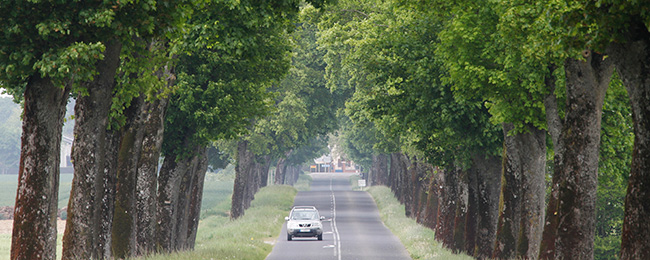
[418,240]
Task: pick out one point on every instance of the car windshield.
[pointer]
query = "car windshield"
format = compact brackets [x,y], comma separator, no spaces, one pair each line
[304,215]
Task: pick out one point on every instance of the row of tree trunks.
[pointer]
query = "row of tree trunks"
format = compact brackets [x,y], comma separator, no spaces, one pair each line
[379,170]
[292,174]
[398,175]
[180,189]
[242,176]
[632,60]
[251,173]
[461,205]
[38,178]
[189,198]
[448,202]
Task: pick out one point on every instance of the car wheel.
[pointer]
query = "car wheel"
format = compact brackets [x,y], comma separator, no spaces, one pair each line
[320,237]
[289,237]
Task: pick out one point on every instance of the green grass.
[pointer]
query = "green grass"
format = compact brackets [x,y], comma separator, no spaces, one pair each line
[217,191]
[418,240]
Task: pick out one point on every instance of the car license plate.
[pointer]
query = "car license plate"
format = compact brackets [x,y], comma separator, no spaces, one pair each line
[305,230]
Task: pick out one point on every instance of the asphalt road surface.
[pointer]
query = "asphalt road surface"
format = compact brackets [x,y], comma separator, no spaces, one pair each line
[352,227]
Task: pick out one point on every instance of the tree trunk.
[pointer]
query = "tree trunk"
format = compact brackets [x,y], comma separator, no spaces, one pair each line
[88,156]
[460,217]
[280,171]
[244,162]
[472,211]
[404,182]
[169,181]
[196,197]
[511,189]
[488,174]
[394,174]
[522,215]
[153,114]
[433,197]
[554,123]
[190,197]
[124,220]
[379,170]
[577,170]
[34,226]
[422,181]
[632,61]
[104,236]
[264,176]
[533,162]
[447,207]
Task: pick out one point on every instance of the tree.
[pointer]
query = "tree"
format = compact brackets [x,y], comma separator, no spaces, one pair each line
[50,48]
[398,83]
[233,52]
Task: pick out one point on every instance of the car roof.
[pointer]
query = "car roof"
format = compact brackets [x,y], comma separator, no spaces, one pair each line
[304,208]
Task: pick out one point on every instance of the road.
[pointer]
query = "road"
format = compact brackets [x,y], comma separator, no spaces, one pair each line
[352,227]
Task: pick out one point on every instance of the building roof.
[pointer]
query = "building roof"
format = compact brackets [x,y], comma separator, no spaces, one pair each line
[323,159]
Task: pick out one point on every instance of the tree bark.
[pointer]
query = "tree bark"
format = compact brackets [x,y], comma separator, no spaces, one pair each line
[522,216]
[169,181]
[179,197]
[577,170]
[244,162]
[153,114]
[190,197]
[34,226]
[555,125]
[264,176]
[472,215]
[379,169]
[423,179]
[488,173]
[447,207]
[394,173]
[196,197]
[88,156]
[430,218]
[460,217]
[104,237]
[632,60]
[124,220]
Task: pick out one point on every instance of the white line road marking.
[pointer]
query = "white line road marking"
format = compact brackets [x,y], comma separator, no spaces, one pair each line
[337,237]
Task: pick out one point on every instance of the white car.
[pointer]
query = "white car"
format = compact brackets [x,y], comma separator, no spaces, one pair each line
[304,221]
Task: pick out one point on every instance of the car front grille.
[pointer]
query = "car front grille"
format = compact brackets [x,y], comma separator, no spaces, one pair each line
[304,225]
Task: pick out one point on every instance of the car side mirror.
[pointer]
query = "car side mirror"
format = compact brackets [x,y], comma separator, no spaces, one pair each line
[322,218]
[286,218]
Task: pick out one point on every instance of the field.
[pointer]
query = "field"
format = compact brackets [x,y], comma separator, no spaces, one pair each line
[9,185]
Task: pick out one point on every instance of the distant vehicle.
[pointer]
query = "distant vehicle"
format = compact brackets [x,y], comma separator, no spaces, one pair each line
[304,221]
